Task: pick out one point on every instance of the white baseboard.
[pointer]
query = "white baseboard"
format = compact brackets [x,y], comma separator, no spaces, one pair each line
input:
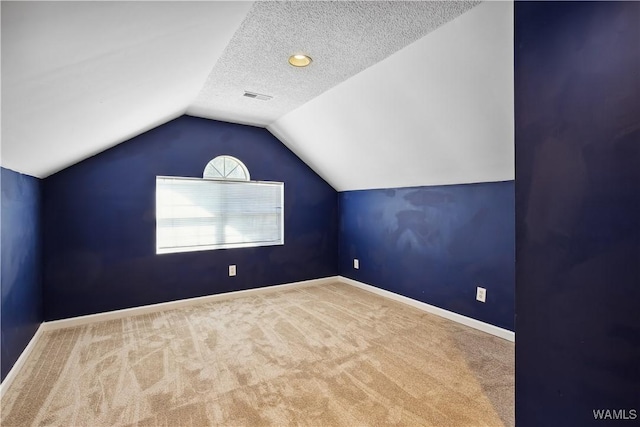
[468,321]
[135,311]
[6,383]
[119,314]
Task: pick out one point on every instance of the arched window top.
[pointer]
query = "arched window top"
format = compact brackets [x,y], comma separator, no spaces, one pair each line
[226,167]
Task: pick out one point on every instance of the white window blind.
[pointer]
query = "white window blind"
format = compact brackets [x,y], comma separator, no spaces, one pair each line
[199,214]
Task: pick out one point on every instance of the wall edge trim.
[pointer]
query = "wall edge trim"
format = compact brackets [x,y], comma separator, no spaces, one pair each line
[170,305]
[19,363]
[458,318]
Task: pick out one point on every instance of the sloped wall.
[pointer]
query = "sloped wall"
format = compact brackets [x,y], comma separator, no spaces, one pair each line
[21,264]
[577,87]
[99,222]
[435,244]
[439,111]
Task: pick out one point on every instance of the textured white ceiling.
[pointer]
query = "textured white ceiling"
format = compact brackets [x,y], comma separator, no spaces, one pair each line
[79,77]
[439,111]
[343,38]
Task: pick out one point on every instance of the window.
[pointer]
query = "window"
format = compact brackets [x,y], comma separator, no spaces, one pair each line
[226,167]
[224,210]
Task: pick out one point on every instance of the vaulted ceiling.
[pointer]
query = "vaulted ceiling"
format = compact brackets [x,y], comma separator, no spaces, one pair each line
[398,93]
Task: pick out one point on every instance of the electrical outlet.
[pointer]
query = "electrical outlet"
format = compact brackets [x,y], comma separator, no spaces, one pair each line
[232,270]
[481,294]
[356,263]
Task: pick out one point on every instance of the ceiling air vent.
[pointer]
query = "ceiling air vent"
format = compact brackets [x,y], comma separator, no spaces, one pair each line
[259,96]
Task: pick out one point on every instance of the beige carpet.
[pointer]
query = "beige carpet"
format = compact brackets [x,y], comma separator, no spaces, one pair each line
[326,355]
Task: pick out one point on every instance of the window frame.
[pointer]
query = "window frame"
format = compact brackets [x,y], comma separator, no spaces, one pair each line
[224,158]
[218,181]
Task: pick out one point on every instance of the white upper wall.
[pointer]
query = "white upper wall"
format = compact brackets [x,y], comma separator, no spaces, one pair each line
[439,111]
[79,77]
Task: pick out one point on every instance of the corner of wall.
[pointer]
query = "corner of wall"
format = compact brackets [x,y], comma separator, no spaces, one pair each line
[21,279]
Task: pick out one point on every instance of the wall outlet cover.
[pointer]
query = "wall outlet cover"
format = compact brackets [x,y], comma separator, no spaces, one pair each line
[481,294]
[232,270]
[356,263]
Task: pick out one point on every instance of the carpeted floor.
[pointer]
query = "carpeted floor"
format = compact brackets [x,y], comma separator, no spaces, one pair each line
[326,355]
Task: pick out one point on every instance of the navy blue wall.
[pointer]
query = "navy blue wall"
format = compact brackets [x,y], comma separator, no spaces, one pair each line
[99,222]
[21,280]
[435,244]
[577,89]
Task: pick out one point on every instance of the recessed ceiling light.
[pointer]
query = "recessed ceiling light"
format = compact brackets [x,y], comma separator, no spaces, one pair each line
[299,60]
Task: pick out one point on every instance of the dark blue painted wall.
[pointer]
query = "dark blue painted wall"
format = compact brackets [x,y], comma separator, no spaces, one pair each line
[435,244]
[99,222]
[21,280]
[577,86]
